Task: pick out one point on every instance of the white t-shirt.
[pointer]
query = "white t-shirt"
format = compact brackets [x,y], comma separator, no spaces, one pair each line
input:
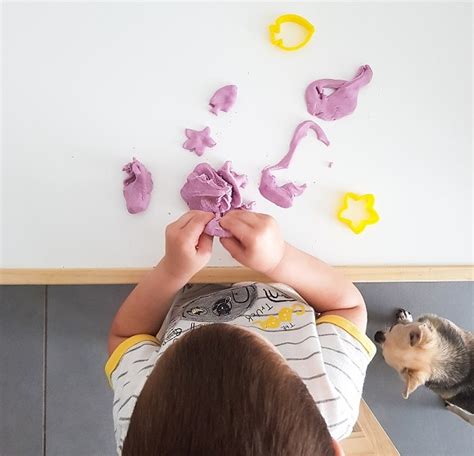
[330,354]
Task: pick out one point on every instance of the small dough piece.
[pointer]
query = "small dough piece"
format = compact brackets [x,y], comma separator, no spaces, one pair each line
[198,140]
[137,186]
[342,101]
[215,191]
[223,99]
[283,195]
[280,195]
[213,228]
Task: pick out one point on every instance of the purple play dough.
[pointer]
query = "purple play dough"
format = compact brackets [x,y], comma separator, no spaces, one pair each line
[198,140]
[213,228]
[223,99]
[339,103]
[137,186]
[283,195]
[215,191]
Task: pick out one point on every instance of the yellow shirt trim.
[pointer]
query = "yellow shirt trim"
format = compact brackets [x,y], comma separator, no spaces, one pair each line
[352,329]
[121,349]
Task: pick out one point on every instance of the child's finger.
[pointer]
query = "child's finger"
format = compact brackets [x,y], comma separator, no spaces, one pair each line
[204,244]
[195,226]
[181,221]
[233,246]
[250,218]
[237,227]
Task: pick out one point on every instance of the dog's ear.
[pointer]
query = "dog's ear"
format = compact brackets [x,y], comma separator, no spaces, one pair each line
[379,337]
[420,335]
[413,379]
[415,336]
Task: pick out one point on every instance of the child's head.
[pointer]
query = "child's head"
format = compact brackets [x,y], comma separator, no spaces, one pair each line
[220,390]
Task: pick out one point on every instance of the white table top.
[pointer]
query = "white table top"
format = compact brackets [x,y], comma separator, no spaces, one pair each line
[88,86]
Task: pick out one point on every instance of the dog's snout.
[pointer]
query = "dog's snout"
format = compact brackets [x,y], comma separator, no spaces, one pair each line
[379,337]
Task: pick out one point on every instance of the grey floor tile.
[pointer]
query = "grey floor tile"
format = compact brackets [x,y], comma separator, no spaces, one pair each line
[78,399]
[21,370]
[420,425]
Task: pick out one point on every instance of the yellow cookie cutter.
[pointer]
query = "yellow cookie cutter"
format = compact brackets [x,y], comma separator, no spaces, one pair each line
[294,18]
[359,226]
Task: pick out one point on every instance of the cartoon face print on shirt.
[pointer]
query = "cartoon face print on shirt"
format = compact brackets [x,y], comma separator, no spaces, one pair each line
[221,306]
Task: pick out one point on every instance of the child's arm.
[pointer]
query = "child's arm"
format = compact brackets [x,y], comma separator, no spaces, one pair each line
[188,250]
[258,244]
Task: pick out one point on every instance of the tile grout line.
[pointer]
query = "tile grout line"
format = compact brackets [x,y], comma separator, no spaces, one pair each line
[45,363]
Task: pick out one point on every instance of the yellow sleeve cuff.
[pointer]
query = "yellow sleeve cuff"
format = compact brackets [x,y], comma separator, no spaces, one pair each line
[352,329]
[117,354]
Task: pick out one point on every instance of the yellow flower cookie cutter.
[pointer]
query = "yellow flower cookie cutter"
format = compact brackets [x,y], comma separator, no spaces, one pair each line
[372,216]
[295,19]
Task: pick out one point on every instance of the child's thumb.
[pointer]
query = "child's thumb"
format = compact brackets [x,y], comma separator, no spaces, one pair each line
[233,246]
[205,243]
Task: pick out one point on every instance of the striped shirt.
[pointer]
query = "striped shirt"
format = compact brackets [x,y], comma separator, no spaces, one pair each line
[330,354]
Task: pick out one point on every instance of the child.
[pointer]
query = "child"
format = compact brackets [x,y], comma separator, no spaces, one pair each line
[242,369]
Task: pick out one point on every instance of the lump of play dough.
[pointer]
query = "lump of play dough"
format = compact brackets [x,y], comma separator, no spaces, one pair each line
[342,101]
[280,195]
[283,195]
[137,186]
[223,99]
[213,228]
[215,191]
[198,140]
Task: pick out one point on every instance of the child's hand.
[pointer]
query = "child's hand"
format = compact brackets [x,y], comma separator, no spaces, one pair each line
[188,249]
[256,242]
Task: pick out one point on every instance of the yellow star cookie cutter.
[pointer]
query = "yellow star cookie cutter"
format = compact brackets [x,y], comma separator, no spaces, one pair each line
[372,217]
[295,19]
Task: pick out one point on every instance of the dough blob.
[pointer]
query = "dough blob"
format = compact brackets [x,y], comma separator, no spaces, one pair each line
[223,99]
[283,195]
[342,101]
[137,186]
[215,191]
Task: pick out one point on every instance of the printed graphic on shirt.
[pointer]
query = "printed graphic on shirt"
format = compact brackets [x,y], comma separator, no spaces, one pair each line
[268,304]
[222,306]
[284,316]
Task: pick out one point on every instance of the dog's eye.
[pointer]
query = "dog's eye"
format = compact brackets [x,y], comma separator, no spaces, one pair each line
[404,370]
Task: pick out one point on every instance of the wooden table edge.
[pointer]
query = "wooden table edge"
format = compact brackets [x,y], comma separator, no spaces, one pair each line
[82,276]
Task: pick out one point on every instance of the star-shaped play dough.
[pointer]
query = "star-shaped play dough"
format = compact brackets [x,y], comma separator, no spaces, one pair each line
[198,140]
[358,224]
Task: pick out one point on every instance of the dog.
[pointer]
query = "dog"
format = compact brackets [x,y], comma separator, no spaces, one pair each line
[434,352]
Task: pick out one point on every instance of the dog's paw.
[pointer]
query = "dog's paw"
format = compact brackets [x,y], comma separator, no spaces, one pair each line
[403,316]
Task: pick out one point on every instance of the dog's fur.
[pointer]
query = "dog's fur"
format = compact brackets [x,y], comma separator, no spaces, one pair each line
[434,352]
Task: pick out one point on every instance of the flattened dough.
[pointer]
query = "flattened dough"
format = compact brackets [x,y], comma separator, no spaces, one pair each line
[283,195]
[342,101]
[223,99]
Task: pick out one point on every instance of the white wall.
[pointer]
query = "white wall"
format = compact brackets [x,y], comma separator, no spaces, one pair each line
[86,87]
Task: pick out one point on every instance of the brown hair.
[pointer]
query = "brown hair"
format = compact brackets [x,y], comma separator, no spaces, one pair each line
[220,391]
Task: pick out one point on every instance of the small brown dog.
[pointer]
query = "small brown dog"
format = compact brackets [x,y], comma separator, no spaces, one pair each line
[434,352]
